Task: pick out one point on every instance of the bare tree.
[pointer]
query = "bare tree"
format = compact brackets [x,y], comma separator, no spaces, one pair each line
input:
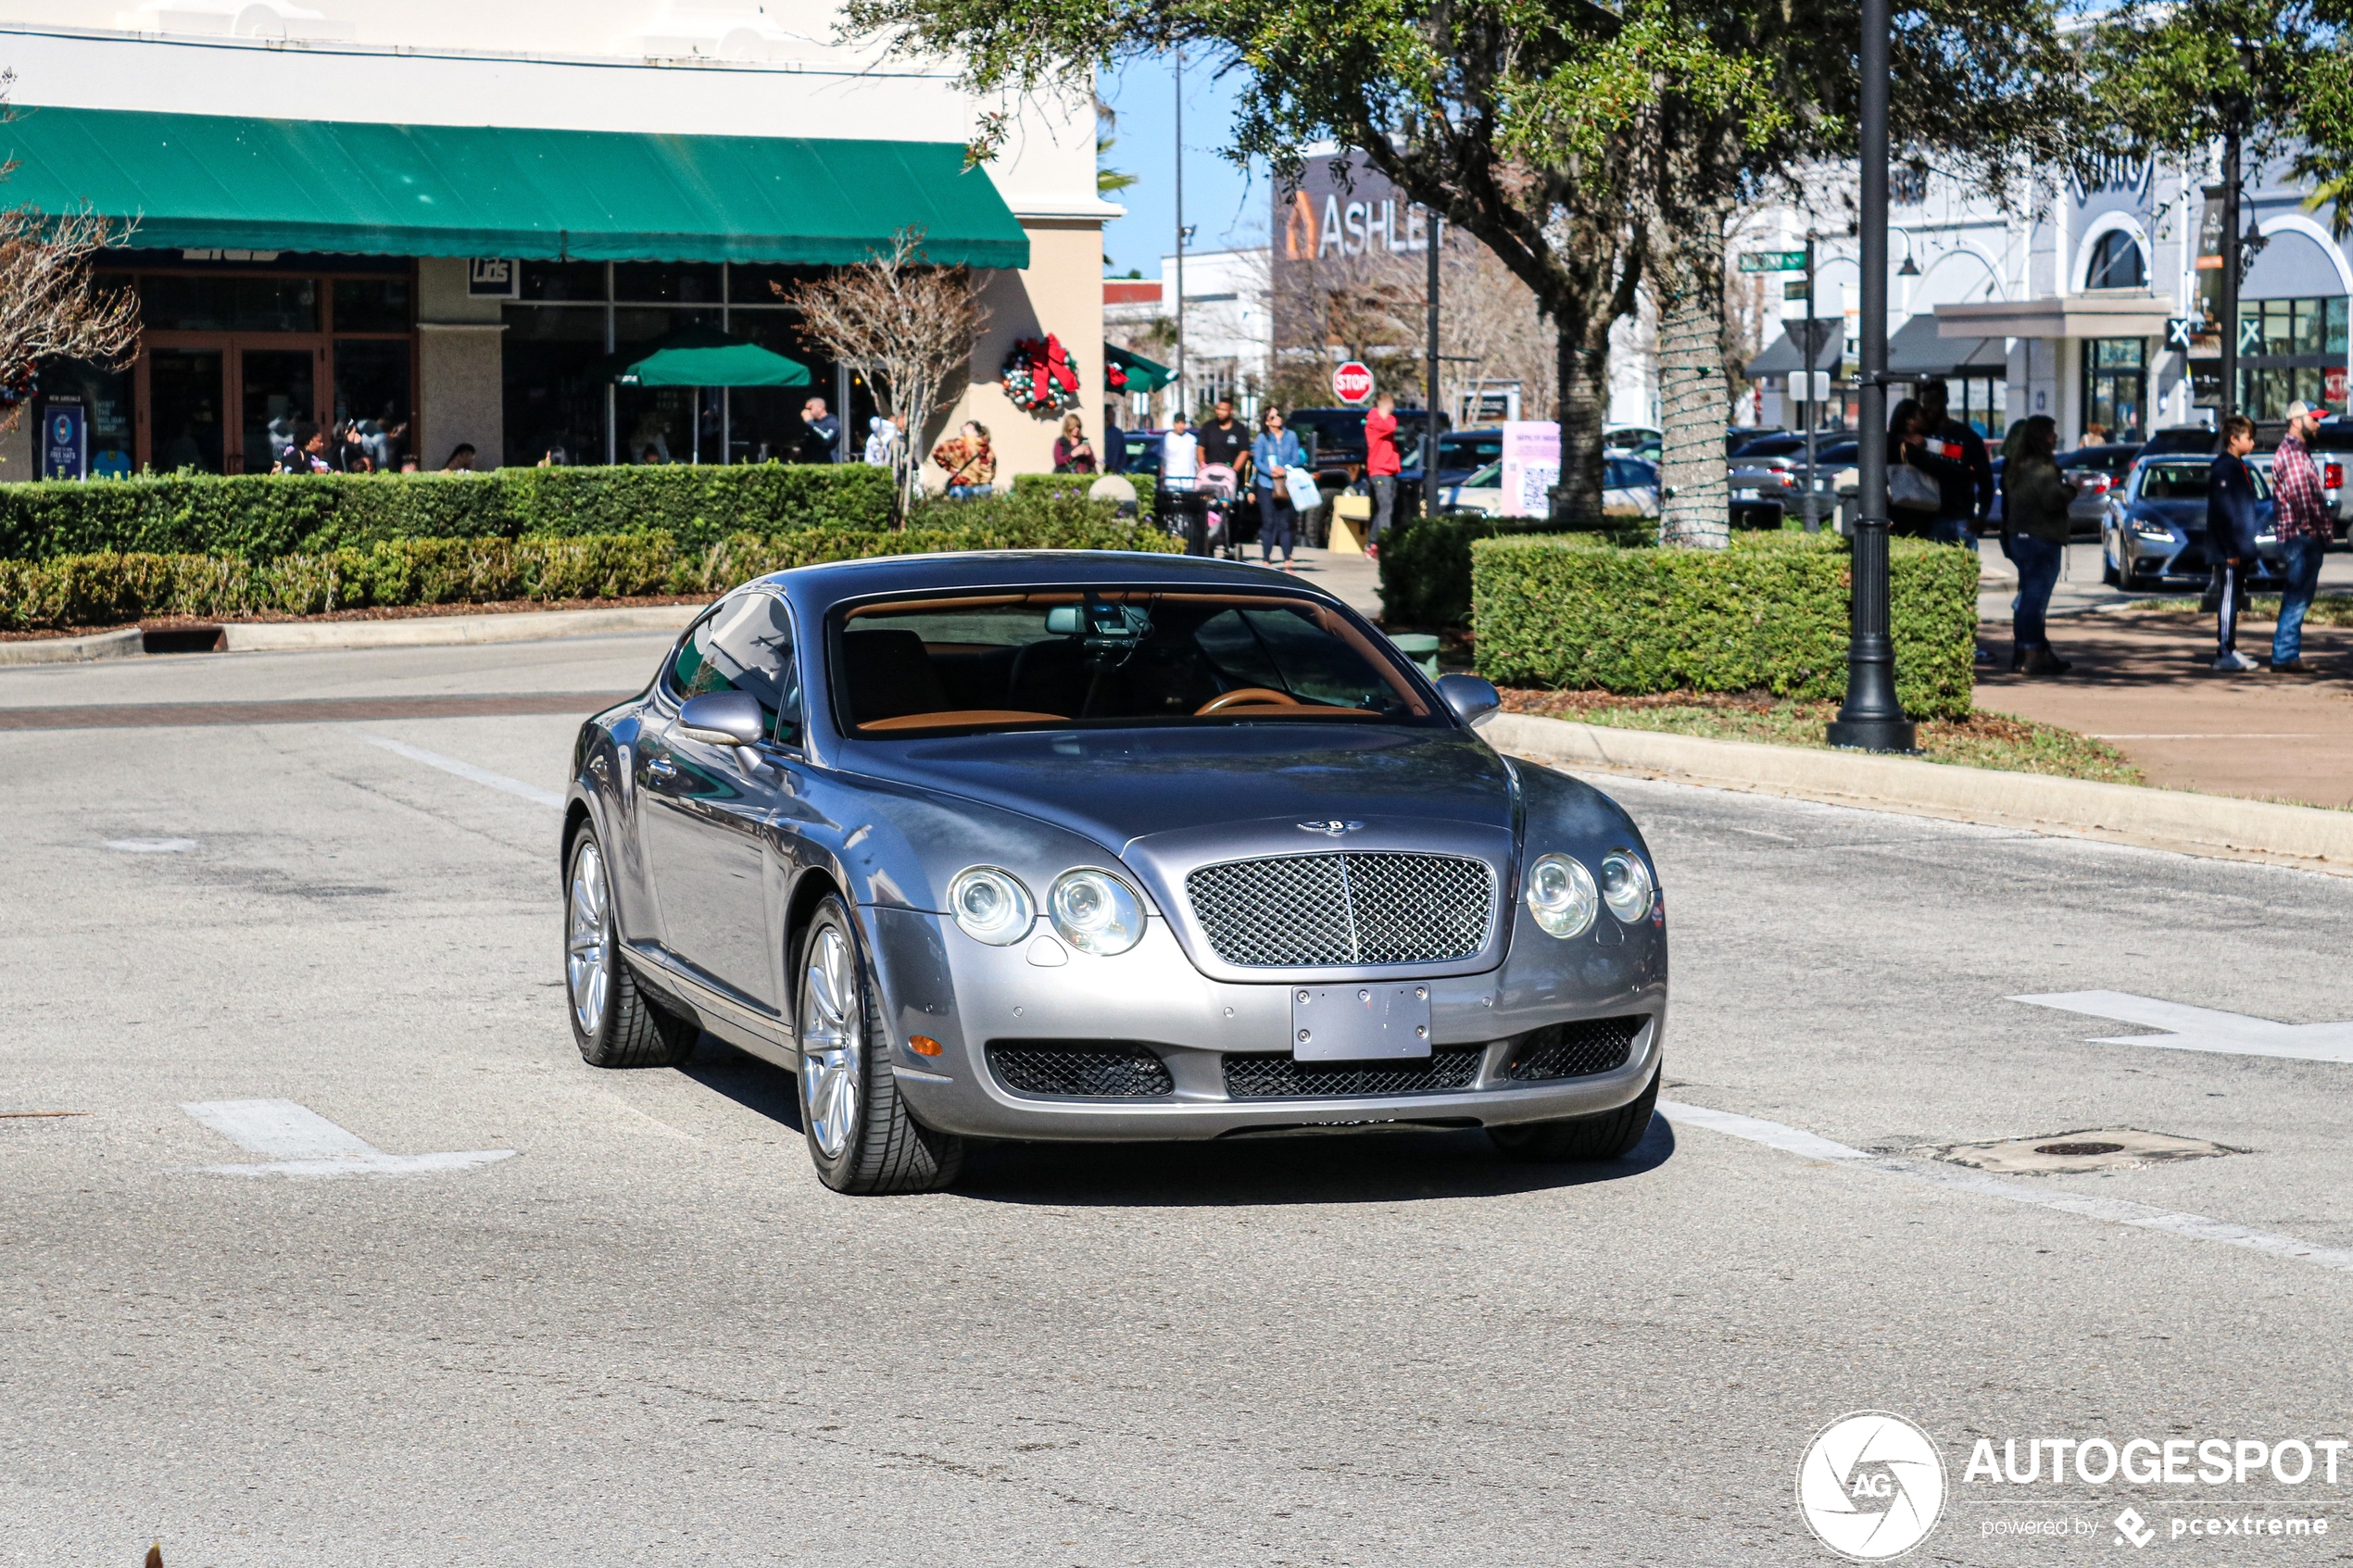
[905,325]
[48,308]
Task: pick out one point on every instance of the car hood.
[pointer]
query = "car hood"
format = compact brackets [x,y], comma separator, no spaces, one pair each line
[1116,786]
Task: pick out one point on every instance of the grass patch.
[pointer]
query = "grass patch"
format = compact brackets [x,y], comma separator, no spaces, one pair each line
[1981,740]
[2328,609]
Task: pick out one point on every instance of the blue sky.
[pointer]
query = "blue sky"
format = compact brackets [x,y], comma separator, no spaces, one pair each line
[1225,205]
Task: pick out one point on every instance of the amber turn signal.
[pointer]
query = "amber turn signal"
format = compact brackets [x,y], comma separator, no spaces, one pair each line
[923,1045]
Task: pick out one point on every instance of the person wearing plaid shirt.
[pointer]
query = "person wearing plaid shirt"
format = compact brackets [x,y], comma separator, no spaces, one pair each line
[2303,531]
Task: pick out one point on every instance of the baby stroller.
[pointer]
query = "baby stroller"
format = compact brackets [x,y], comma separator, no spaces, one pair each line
[1218,485]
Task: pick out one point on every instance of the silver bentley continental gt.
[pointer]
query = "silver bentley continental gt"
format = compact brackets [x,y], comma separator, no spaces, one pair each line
[1100,846]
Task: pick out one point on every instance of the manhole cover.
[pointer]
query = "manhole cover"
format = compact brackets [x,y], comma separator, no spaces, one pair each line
[2086,1149]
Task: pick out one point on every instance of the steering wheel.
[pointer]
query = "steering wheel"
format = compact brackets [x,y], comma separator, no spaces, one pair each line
[1247,697]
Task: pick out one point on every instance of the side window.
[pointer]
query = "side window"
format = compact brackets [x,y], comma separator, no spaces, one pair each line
[745,646]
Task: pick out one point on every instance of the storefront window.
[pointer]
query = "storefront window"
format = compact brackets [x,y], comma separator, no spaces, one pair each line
[1981,401]
[371,305]
[172,303]
[555,398]
[2291,350]
[106,400]
[2115,389]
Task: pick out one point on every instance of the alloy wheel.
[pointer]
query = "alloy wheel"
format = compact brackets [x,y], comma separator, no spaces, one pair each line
[832,1042]
[588,939]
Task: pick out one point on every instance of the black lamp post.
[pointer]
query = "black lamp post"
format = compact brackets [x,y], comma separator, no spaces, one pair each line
[1871,719]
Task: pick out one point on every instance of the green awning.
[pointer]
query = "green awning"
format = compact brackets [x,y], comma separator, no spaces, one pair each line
[1143,375]
[701,356]
[219,181]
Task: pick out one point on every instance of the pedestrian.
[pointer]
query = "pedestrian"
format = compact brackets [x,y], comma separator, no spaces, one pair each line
[1115,441]
[1964,498]
[1179,455]
[2303,531]
[1273,455]
[2035,496]
[1072,452]
[821,434]
[1380,467]
[1915,474]
[461,459]
[309,452]
[408,463]
[970,462]
[879,432]
[1224,439]
[2230,537]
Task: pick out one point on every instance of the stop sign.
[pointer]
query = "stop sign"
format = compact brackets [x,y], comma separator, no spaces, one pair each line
[1353,383]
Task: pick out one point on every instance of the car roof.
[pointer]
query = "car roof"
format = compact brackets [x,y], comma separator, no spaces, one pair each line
[816,589]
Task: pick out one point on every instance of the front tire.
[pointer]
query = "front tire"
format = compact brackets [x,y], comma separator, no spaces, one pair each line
[612,1022]
[862,1137]
[1612,1134]
[2111,573]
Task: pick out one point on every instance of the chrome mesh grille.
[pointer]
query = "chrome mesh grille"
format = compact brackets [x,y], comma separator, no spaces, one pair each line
[1379,907]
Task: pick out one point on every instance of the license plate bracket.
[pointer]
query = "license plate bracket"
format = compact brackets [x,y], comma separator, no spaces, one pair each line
[1366,1021]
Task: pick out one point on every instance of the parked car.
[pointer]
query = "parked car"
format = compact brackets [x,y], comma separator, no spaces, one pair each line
[1773,470]
[1143,455]
[1634,441]
[1464,452]
[1090,846]
[2095,470]
[1737,437]
[2332,449]
[2155,530]
[1335,442]
[2180,440]
[1629,487]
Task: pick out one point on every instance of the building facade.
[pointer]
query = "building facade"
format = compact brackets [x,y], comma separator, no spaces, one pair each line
[459,225]
[2098,305]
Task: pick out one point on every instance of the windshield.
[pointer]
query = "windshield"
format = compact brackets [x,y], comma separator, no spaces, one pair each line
[2187,482]
[1111,656]
[1628,473]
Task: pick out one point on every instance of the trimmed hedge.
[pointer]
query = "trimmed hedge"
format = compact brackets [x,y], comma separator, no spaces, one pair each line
[1426,566]
[261,517]
[1769,614]
[110,588]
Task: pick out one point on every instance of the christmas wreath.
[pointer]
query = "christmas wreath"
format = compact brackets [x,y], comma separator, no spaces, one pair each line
[19,387]
[1039,377]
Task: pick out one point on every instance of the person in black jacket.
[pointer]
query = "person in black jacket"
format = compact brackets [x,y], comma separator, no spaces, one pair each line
[1968,495]
[2230,534]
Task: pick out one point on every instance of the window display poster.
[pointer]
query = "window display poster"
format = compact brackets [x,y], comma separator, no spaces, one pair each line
[65,439]
[1531,466]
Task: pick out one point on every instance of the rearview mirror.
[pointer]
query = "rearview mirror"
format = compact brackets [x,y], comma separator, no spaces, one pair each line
[1468,696]
[724,719]
[1065,621]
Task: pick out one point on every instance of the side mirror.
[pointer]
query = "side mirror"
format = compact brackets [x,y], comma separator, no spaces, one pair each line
[724,719]
[1468,696]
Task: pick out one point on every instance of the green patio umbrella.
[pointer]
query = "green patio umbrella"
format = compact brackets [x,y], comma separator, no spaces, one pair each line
[702,356]
[1143,375]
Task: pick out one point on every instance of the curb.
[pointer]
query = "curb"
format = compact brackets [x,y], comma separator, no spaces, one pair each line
[2159,819]
[425,631]
[125,644]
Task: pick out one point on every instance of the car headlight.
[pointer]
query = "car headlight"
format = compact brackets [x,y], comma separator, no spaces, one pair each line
[2155,530]
[1625,887]
[990,905]
[1096,912]
[1561,895]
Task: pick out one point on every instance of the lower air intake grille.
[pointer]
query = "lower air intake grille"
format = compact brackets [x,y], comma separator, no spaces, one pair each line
[1573,1051]
[1081,1069]
[1279,1077]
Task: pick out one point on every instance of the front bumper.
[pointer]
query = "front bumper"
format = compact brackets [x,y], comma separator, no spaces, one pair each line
[962,994]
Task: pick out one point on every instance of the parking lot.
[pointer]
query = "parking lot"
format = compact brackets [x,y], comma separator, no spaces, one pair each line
[632,1328]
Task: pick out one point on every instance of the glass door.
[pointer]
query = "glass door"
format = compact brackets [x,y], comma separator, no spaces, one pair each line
[276,393]
[184,398]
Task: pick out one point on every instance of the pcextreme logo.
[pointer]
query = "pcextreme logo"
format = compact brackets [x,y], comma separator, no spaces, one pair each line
[1870,1486]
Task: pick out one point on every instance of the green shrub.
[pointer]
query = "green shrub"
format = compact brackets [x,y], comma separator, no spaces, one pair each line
[261,517]
[1425,566]
[1769,614]
[113,587]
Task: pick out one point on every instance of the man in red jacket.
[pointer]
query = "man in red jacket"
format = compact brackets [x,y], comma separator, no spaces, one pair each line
[1381,465]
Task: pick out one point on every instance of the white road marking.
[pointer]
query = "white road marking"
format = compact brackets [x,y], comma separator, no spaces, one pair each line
[300,1142]
[2202,1029]
[467,770]
[152,846]
[2113,1211]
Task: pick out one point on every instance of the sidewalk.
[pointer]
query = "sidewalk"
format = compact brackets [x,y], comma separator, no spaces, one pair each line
[2144,683]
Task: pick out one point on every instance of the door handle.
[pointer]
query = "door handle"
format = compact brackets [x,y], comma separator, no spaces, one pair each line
[660,770]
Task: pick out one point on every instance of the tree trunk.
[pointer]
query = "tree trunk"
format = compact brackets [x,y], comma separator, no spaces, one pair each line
[1694,503]
[1583,406]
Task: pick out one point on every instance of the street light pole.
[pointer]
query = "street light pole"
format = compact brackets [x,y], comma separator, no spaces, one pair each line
[1182,406]
[1429,422]
[2230,157]
[1872,718]
[1807,410]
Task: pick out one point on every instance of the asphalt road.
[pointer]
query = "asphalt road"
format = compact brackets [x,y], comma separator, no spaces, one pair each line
[649,1336]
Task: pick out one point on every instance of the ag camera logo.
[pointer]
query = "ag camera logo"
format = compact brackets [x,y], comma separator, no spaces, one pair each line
[1870,1486]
